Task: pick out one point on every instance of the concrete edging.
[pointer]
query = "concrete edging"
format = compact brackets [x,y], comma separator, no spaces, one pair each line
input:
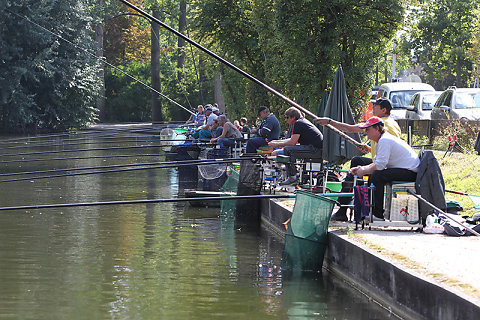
[400,290]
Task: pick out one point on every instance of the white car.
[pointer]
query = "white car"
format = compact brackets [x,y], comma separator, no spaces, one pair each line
[400,93]
[457,103]
[421,105]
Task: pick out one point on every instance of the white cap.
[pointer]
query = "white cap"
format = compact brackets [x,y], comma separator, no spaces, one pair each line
[215,109]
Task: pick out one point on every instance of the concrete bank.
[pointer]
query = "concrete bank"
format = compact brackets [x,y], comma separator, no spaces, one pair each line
[417,276]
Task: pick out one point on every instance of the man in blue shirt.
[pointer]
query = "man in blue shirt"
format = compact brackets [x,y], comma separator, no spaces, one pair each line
[268,130]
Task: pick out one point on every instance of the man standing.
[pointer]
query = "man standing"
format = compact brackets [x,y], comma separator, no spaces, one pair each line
[268,130]
[394,160]
[308,136]
[381,108]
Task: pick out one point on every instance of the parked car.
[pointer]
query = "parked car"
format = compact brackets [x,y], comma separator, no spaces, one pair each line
[457,103]
[421,105]
[400,93]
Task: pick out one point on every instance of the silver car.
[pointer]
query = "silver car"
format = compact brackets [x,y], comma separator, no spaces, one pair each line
[421,105]
[457,103]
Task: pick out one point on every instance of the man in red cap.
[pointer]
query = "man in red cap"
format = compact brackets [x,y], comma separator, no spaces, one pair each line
[394,160]
[381,108]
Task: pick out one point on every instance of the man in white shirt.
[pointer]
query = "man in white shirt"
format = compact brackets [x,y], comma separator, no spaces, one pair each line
[394,160]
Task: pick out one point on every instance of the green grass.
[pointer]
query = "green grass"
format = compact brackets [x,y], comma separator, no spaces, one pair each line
[461,172]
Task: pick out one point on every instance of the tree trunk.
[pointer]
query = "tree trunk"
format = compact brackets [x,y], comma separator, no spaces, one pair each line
[101,68]
[218,95]
[155,67]
[182,24]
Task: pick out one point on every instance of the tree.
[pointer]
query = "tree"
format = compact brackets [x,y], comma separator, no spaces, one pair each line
[47,82]
[442,38]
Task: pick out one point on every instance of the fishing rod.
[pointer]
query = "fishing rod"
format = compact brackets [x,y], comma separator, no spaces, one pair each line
[442,213]
[121,170]
[245,74]
[91,157]
[81,150]
[107,132]
[102,137]
[170,163]
[86,143]
[85,204]
[103,61]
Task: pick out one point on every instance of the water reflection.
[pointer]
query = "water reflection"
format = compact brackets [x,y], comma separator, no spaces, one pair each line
[165,261]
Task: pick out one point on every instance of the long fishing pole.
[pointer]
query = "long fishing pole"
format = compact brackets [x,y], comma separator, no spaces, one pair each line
[170,163]
[75,133]
[91,157]
[237,69]
[87,143]
[104,203]
[443,213]
[101,135]
[92,149]
[110,137]
[119,170]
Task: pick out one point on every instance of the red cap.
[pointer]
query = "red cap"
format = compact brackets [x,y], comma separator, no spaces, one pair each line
[370,122]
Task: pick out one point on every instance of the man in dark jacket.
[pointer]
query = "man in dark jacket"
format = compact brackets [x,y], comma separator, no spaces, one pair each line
[268,130]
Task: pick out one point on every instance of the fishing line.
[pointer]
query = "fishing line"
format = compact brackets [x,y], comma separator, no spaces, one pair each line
[102,59]
[91,157]
[85,143]
[118,170]
[65,205]
[81,150]
[172,163]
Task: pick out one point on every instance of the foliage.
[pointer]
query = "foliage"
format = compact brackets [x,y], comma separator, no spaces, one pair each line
[47,83]
[441,39]
[296,46]
[128,100]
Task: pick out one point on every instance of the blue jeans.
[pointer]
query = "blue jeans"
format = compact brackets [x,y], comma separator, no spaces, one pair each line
[202,134]
[225,143]
[254,143]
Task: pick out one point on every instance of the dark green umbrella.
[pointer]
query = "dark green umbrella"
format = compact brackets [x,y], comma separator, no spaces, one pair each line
[335,148]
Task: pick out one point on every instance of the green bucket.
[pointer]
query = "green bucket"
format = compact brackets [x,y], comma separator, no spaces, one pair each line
[181,130]
[335,187]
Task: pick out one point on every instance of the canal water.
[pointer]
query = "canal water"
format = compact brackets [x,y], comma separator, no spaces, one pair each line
[155,261]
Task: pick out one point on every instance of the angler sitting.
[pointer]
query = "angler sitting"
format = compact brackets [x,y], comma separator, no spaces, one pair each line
[268,130]
[199,118]
[381,108]
[243,124]
[229,133]
[394,160]
[301,131]
[216,130]
[203,132]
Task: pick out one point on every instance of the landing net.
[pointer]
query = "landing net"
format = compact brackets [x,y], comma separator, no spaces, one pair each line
[229,188]
[311,216]
[476,201]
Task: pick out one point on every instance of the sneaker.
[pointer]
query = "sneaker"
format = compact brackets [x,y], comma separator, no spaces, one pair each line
[290,180]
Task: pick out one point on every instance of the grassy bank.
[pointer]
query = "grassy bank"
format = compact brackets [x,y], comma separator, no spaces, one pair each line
[461,172]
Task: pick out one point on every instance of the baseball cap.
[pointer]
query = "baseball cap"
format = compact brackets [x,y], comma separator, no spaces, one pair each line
[384,103]
[208,109]
[215,109]
[370,122]
[260,109]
